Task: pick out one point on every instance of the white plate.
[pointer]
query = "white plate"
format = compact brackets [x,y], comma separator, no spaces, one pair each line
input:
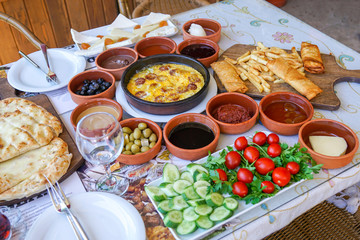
[25,77]
[120,97]
[242,209]
[103,216]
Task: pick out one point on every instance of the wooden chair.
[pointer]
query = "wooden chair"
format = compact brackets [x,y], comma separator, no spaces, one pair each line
[167,6]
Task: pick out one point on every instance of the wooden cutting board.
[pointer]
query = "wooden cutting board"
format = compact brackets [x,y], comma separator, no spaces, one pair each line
[77,160]
[333,74]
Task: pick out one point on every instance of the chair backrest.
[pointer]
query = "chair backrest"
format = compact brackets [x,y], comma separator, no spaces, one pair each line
[167,6]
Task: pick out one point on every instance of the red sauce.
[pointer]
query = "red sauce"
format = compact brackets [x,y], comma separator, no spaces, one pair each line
[117,61]
[231,113]
[285,112]
[155,49]
[198,51]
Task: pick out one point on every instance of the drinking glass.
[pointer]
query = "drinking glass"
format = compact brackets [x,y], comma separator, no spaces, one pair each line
[9,218]
[100,140]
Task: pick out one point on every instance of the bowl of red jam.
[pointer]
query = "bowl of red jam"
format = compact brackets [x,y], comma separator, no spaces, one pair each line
[116,60]
[155,45]
[285,112]
[235,113]
[203,50]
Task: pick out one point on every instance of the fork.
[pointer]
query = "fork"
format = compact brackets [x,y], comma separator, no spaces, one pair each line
[50,80]
[50,73]
[62,204]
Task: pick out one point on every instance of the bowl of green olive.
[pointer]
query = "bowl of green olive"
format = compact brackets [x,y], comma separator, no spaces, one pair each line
[142,140]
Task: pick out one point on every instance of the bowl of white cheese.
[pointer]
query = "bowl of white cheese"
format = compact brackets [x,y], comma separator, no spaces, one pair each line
[329,142]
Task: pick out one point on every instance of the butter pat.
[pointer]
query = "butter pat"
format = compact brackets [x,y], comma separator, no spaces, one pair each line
[328,145]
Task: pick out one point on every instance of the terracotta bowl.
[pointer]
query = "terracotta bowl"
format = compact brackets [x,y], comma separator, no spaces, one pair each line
[238,99]
[329,127]
[76,83]
[97,102]
[279,127]
[121,51]
[155,45]
[211,27]
[206,61]
[148,155]
[169,107]
[191,154]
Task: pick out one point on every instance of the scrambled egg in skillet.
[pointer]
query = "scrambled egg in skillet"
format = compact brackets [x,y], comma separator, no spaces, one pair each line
[165,83]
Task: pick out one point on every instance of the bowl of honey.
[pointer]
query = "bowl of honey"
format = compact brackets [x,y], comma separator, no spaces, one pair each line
[285,112]
[155,45]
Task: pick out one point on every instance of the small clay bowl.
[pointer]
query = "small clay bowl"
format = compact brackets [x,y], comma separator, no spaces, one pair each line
[148,155]
[280,127]
[211,27]
[155,45]
[206,61]
[237,99]
[76,83]
[327,127]
[191,154]
[96,104]
[119,51]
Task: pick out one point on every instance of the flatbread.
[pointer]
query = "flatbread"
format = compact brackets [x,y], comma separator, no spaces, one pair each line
[23,175]
[33,110]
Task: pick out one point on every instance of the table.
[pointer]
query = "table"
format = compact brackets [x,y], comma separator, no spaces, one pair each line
[250,21]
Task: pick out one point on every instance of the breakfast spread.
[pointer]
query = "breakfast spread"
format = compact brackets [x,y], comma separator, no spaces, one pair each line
[165,83]
[30,148]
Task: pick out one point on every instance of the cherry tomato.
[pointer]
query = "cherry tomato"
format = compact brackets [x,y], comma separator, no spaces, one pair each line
[274,150]
[245,175]
[272,138]
[232,159]
[251,154]
[259,138]
[264,165]
[269,187]
[240,189]
[241,143]
[222,174]
[281,176]
[293,167]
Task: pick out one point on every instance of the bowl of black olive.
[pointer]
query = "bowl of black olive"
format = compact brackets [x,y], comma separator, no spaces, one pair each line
[91,84]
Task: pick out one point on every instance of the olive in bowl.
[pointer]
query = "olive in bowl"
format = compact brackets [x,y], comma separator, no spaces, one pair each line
[91,84]
[142,140]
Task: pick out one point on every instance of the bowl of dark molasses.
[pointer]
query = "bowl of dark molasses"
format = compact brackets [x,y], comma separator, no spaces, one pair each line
[116,60]
[203,50]
[191,136]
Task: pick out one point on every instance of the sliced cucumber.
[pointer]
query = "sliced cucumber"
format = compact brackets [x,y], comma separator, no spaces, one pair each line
[204,222]
[164,206]
[196,202]
[167,188]
[220,214]
[187,176]
[203,209]
[202,191]
[186,227]
[214,199]
[190,194]
[170,173]
[189,214]
[173,218]
[155,193]
[178,203]
[231,203]
[201,183]
[192,167]
[199,175]
[180,185]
